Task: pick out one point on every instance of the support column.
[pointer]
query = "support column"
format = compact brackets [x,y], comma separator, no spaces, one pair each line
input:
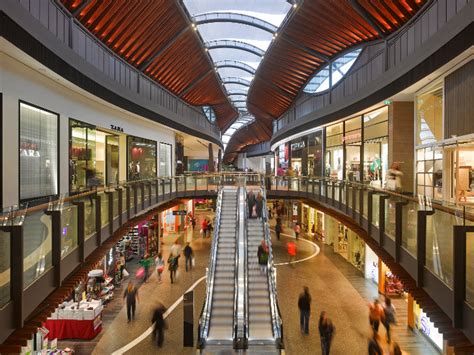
[210,163]
[219,160]
[401,145]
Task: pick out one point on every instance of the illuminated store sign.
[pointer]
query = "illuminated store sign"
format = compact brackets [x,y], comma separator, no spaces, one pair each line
[297,146]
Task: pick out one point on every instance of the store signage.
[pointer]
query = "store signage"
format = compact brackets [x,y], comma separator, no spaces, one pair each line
[180,213]
[297,145]
[116,128]
[354,137]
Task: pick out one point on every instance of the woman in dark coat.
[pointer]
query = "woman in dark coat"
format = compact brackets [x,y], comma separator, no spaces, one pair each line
[259,204]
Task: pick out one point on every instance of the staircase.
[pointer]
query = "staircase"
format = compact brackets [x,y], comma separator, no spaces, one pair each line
[222,311]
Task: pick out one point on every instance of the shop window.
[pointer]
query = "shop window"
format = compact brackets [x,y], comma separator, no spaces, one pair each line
[38,152]
[352,139]
[429,116]
[141,158]
[334,151]
[165,159]
[93,156]
[429,172]
[376,146]
[315,155]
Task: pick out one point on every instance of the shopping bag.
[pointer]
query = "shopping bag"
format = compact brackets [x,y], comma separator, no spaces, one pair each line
[391,184]
[160,268]
[176,276]
[125,273]
[193,262]
[201,231]
[140,273]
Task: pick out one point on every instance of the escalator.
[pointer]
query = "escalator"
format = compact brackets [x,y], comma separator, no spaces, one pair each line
[217,320]
[265,331]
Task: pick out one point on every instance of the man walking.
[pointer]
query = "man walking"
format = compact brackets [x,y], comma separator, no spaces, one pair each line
[188,254]
[304,304]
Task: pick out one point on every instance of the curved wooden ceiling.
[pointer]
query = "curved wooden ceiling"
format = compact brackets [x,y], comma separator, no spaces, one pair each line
[157,38]
[318,31]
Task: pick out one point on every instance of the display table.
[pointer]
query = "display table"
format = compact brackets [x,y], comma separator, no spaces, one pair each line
[73,329]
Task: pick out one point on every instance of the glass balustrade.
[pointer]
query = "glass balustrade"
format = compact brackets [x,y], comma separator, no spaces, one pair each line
[409,226]
[365,199]
[343,188]
[470,268]
[132,199]
[181,184]
[89,217]
[153,191]
[376,210]
[350,197]
[390,217]
[146,190]
[115,201]
[104,210]
[439,244]
[4,268]
[124,199]
[37,246]
[357,199]
[139,188]
[68,230]
[336,192]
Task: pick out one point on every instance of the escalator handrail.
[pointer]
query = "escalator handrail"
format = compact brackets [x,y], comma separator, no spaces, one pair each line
[246,273]
[235,332]
[277,324]
[204,319]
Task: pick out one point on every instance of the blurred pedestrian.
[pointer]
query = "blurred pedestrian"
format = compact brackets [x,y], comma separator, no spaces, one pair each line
[146,263]
[291,248]
[160,266]
[304,305]
[374,346]
[173,266]
[375,315]
[204,227]
[131,294]
[188,255]
[251,203]
[262,255]
[297,230]
[396,349]
[278,230]
[160,324]
[259,205]
[388,316]
[175,249]
[394,177]
[326,332]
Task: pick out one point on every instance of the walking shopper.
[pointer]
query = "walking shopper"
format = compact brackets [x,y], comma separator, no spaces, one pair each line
[259,204]
[375,315]
[204,227]
[131,293]
[251,202]
[278,230]
[173,266]
[209,229]
[304,305]
[297,230]
[262,255]
[374,346]
[188,254]
[160,266]
[326,332]
[175,249]
[388,316]
[160,324]
[146,263]
[291,248]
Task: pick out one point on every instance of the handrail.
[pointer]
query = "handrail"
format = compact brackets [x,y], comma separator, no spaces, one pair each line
[204,319]
[246,263]
[277,323]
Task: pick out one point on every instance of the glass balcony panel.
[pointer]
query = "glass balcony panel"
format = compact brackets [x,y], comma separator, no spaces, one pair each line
[343,188]
[124,199]
[104,209]
[4,267]
[409,226]
[89,217]
[336,192]
[190,183]
[153,190]
[201,183]
[132,198]
[330,189]
[293,184]
[115,201]
[37,246]
[68,230]
[389,217]
[323,187]
[365,198]
[181,183]
[357,199]
[439,245]
[470,268]
[349,201]
[375,210]
[139,196]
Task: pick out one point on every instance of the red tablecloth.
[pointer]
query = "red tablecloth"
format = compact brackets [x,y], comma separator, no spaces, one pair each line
[71,329]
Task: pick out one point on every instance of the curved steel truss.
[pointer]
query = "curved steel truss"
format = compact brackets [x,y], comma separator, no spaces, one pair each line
[228,43]
[212,17]
[236,80]
[235,64]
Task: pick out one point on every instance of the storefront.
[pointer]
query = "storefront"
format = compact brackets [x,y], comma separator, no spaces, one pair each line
[334,151]
[353,145]
[38,150]
[299,156]
[282,158]
[371,269]
[375,133]
[94,156]
[141,160]
[315,153]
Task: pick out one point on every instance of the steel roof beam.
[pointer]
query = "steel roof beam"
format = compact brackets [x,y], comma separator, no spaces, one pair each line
[367,17]
[213,17]
[239,45]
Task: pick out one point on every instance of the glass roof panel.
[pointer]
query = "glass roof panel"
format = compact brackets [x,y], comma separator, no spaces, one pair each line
[205,12]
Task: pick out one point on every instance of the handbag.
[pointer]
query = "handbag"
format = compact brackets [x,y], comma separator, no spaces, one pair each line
[125,273]
[193,262]
[391,184]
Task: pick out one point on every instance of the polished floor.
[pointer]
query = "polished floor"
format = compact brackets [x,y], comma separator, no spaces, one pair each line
[335,285]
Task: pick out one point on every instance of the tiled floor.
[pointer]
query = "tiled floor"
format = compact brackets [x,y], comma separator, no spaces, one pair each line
[335,285]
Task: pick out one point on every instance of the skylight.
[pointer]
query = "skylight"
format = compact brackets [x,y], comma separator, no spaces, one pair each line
[237,33]
[340,67]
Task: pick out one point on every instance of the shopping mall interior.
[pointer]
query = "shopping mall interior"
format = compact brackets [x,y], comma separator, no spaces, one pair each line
[237,176]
